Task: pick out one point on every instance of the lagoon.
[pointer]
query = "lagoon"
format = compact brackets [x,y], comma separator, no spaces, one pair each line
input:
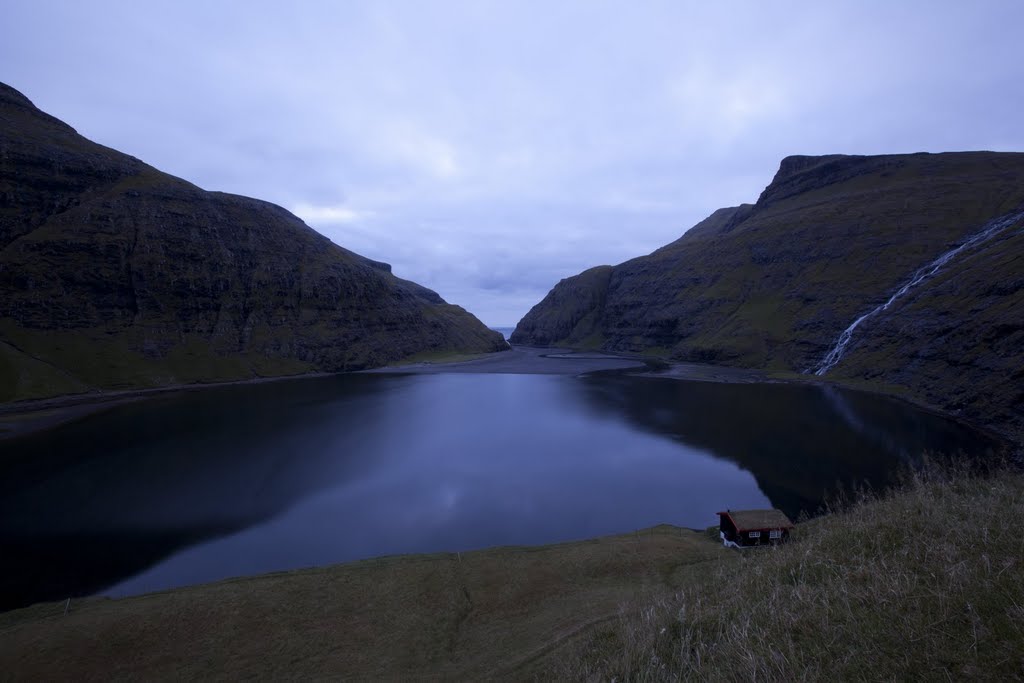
[204,485]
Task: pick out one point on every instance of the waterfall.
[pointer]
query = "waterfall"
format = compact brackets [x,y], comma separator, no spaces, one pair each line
[990,230]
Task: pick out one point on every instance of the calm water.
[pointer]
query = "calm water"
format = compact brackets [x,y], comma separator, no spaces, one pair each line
[241,480]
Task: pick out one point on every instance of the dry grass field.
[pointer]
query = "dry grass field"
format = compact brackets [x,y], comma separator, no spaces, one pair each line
[923,584]
[496,613]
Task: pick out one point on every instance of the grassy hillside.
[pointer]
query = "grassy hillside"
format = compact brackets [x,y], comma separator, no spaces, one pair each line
[114,275]
[505,613]
[773,284]
[926,583]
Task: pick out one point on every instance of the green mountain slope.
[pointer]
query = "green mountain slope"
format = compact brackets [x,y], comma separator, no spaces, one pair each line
[772,285]
[115,275]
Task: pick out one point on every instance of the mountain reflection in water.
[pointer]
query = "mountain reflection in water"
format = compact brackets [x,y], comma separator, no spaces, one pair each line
[803,443]
[242,480]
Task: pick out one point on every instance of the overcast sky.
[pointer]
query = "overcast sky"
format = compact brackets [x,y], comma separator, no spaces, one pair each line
[489,149]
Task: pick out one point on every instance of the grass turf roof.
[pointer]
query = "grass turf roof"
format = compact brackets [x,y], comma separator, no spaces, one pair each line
[752,520]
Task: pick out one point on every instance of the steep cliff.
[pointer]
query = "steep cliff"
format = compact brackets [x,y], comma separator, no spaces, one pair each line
[773,285]
[115,275]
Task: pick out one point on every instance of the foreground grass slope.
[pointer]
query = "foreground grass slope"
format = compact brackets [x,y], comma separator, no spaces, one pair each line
[926,584]
[504,612]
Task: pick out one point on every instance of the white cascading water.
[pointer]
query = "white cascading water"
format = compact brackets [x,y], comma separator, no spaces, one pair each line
[990,230]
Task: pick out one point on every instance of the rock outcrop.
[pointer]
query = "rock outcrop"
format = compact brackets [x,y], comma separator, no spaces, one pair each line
[772,285]
[115,275]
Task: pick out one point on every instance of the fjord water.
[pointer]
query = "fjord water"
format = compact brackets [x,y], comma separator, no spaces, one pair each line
[241,480]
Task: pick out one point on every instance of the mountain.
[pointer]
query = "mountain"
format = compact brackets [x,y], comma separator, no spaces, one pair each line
[115,275]
[774,284]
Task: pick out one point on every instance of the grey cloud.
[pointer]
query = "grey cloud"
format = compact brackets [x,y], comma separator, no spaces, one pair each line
[488,149]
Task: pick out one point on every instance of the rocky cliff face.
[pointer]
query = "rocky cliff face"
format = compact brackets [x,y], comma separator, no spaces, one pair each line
[115,275]
[772,285]
[571,311]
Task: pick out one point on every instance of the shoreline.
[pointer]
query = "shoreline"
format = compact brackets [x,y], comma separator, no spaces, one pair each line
[24,418]
[21,418]
[522,360]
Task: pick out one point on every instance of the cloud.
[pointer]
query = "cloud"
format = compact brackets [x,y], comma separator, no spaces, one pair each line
[405,144]
[488,149]
[728,105]
[329,215]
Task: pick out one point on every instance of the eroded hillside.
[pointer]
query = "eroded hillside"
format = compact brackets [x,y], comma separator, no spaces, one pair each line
[772,285]
[115,275]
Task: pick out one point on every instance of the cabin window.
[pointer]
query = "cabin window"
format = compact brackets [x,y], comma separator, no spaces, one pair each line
[775,533]
[754,534]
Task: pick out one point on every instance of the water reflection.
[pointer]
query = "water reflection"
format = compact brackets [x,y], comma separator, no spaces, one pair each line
[250,479]
[802,443]
[94,501]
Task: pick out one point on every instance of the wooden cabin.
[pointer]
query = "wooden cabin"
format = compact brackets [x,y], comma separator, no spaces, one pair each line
[744,528]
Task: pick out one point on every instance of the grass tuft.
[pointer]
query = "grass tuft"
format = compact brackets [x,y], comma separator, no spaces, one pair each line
[924,582]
